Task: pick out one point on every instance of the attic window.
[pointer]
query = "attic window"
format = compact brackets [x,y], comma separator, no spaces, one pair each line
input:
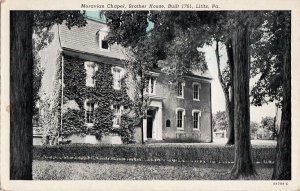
[103,43]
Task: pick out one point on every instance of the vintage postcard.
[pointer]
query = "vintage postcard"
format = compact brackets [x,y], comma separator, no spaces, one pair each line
[150,95]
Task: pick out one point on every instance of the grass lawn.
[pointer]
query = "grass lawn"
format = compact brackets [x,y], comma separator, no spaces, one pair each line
[54,170]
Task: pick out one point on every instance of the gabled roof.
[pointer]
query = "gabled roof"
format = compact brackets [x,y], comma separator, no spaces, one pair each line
[85,40]
[205,74]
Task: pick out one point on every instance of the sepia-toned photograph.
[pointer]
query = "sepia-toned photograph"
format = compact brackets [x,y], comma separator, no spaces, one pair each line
[128,95]
[173,93]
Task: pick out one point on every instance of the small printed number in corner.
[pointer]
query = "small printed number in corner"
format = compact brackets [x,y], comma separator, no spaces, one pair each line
[280,183]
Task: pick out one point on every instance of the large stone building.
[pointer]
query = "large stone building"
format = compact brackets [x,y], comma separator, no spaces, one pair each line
[87,76]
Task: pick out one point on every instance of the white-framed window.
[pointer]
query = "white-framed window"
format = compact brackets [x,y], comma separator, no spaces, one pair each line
[180,90]
[150,85]
[89,112]
[180,115]
[196,91]
[103,43]
[117,73]
[196,119]
[91,69]
[117,109]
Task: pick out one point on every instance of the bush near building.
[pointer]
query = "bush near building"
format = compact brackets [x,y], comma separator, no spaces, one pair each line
[162,153]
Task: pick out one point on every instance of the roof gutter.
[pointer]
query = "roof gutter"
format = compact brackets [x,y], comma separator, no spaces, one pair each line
[88,53]
[207,79]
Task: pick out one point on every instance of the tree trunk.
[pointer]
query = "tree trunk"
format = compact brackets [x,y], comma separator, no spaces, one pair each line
[228,101]
[230,117]
[230,104]
[274,124]
[21,95]
[243,166]
[282,167]
[142,103]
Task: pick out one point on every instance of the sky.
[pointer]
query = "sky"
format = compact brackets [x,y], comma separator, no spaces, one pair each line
[218,100]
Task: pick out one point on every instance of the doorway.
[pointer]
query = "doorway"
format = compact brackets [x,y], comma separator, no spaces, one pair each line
[152,123]
[150,120]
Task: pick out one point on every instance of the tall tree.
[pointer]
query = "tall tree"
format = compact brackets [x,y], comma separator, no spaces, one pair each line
[271,63]
[230,104]
[238,28]
[129,28]
[243,165]
[225,78]
[21,95]
[21,81]
[147,50]
[200,26]
[282,168]
[265,63]
[139,70]
[221,34]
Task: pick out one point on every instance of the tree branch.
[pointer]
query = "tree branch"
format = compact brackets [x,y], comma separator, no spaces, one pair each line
[223,85]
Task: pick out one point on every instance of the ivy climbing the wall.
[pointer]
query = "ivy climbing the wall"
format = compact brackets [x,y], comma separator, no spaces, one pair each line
[103,95]
[49,107]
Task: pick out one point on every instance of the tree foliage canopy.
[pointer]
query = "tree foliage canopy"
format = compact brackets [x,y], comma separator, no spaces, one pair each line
[168,44]
[268,57]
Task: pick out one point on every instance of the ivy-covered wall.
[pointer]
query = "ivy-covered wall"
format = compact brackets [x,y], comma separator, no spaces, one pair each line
[50,105]
[75,93]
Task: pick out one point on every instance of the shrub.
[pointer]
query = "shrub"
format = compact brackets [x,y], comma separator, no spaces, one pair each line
[164,153]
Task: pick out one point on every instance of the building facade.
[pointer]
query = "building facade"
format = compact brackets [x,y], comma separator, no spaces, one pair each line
[95,95]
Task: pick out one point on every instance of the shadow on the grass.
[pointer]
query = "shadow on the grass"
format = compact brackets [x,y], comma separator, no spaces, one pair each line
[140,170]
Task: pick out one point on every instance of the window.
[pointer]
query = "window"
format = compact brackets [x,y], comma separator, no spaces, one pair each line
[117,115]
[91,69]
[196,119]
[180,89]
[180,118]
[116,78]
[89,112]
[103,43]
[168,123]
[150,85]
[196,91]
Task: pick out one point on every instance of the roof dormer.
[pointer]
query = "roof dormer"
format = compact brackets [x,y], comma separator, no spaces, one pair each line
[103,43]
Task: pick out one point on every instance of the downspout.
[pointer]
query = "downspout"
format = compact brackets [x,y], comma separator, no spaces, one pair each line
[211,115]
[62,94]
